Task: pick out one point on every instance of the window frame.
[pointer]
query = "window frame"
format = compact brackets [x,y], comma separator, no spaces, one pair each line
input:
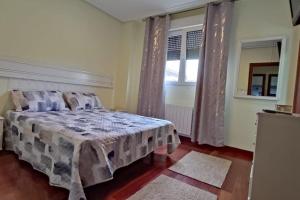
[181,76]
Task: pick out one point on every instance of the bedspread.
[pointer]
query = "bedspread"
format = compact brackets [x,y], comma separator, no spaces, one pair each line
[80,149]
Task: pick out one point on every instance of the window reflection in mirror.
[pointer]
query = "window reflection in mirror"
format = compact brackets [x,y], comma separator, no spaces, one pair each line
[259,68]
[263,79]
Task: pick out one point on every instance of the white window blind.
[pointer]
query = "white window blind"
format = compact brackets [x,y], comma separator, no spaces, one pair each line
[174,47]
[193,39]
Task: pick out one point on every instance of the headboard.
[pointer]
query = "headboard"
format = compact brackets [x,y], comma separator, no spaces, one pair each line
[18,74]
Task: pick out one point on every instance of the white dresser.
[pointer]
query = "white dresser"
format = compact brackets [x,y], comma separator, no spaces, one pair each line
[1,132]
[276,167]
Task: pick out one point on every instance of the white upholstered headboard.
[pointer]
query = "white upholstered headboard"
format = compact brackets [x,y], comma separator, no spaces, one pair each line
[17,69]
[18,74]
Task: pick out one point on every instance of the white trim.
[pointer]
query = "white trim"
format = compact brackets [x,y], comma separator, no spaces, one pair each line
[256,97]
[24,70]
[174,83]
[1,132]
[281,73]
[146,9]
[182,58]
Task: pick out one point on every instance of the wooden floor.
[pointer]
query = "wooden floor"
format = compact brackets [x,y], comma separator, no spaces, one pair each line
[18,181]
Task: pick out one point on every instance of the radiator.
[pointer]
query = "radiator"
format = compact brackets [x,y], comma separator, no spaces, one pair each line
[181,116]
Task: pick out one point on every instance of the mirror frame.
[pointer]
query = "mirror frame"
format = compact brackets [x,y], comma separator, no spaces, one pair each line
[282,62]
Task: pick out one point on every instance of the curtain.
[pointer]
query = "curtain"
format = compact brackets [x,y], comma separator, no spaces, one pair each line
[208,118]
[151,91]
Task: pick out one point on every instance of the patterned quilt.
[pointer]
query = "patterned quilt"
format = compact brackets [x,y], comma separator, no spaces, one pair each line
[80,149]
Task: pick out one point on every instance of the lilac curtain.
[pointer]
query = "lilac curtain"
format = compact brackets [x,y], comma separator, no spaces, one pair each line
[208,120]
[151,91]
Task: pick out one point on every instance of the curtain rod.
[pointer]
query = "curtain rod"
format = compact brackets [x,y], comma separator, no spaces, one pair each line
[185,10]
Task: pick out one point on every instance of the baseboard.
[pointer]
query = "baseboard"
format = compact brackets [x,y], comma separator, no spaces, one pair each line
[245,153]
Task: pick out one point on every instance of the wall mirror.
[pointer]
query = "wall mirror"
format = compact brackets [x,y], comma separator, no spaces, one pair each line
[260,68]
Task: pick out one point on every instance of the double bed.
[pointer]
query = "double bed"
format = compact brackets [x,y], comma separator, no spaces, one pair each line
[84,148]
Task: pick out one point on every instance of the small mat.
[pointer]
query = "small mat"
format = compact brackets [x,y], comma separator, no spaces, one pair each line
[166,188]
[202,167]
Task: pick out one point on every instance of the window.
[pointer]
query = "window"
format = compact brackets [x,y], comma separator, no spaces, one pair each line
[173,58]
[183,56]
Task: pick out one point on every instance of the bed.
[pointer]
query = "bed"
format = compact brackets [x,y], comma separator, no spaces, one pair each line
[84,148]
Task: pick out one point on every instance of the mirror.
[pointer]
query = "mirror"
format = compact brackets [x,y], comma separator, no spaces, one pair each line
[259,68]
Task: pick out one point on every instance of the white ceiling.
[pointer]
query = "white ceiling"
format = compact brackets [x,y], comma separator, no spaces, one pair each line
[126,10]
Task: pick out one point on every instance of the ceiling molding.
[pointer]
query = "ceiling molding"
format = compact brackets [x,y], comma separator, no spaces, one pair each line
[127,10]
[189,5]
[93,3]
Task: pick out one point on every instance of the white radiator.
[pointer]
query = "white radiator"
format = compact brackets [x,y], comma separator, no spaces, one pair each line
[181,116]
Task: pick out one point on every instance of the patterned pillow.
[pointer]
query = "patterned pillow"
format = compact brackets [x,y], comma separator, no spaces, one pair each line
[38,101]
[19,100]
[82,101]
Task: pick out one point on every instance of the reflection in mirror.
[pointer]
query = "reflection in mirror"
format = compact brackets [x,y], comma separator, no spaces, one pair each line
[259,68]
[258,73]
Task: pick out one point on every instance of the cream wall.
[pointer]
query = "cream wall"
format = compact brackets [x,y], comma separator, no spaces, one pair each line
[271,18]
[180,95]
[126,93]
[68,33]
[252,19]
[253,55]
[128,73]
[255,19]
[73,33]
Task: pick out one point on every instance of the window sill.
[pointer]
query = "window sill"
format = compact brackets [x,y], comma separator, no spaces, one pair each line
[180,84]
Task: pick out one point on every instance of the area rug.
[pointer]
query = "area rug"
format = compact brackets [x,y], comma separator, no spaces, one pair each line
[202,167]
[166,188]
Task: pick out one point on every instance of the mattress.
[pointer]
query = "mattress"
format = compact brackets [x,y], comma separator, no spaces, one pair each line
[80,149]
